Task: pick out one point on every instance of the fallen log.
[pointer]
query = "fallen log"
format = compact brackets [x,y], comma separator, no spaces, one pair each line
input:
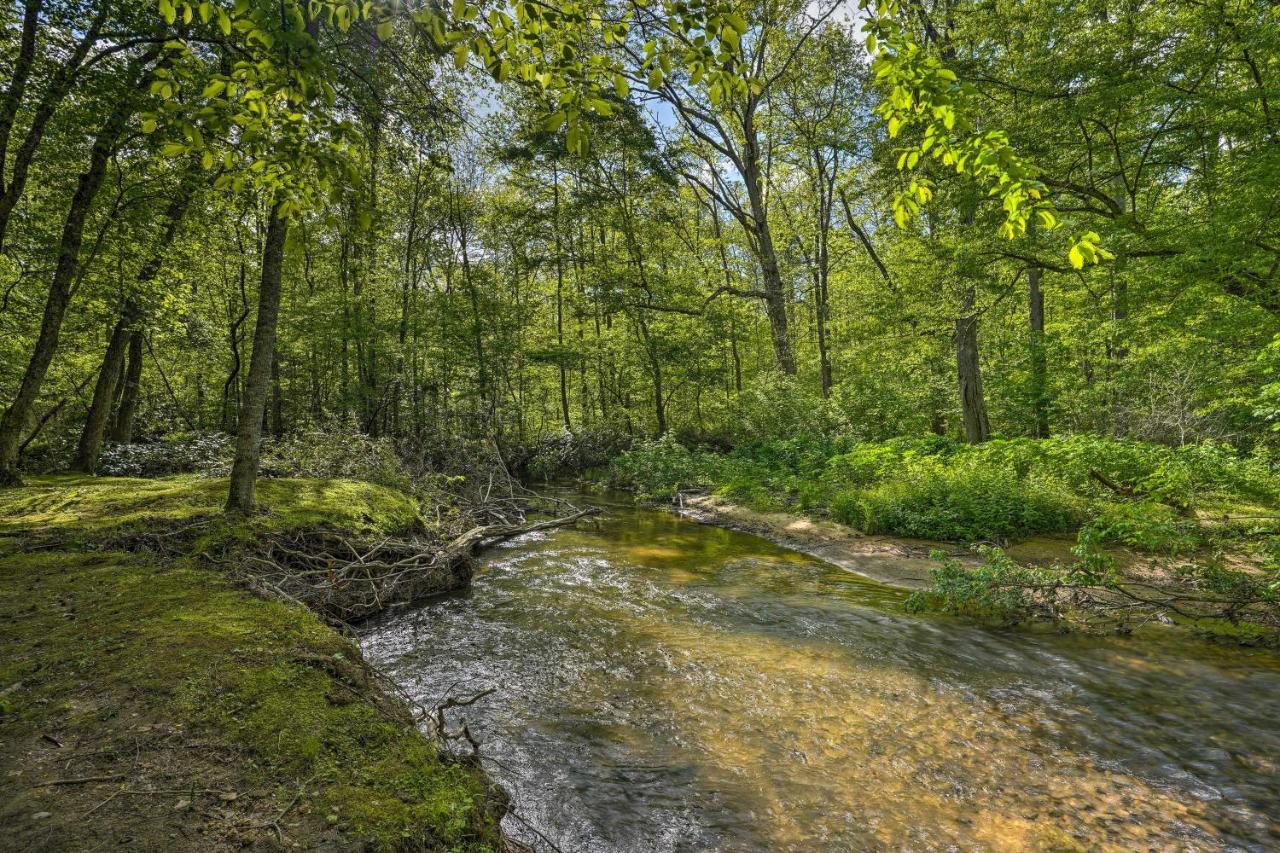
[491,534]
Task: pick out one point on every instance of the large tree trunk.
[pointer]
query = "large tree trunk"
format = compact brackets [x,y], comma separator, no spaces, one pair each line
[821,278]
[122,426]
[824,191]
[775,300]
[95,423]
[15,418]
[63,78]
[21,72]
[973,406]
[655,371]
[244,471]
[555,227]
[1039,361]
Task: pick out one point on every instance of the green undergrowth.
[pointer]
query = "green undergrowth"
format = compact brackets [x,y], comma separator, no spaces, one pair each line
[1195,529]
[287,695]
[1207,597]
[1147,496]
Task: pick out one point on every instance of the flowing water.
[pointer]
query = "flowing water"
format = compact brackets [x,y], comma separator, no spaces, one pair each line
[662,685]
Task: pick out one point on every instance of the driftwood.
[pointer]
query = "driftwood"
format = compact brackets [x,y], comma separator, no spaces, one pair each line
[347,580]
[491,534]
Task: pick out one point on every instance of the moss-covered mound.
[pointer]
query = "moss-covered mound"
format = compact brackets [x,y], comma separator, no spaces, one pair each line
[148,702]
[81,508]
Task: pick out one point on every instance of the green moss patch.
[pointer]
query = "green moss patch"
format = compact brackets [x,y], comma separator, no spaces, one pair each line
[97,640]
[90,507]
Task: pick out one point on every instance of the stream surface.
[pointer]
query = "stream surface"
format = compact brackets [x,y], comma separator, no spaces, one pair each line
[663,685]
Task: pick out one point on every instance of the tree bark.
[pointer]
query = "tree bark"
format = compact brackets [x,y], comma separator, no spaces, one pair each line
[13,95]
[555,227]
[775,300]
[15,418]
[824,184]
[244,471]
[54,93]
[973,406]
[95,424]
[1039,360]
[122,427]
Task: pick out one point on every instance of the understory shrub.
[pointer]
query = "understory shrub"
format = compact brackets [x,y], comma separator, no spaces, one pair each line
[190,453]
[1138,494]
[336,450]
[998,590]
[1146,526]
[659,468]
[573,451]
[967,501]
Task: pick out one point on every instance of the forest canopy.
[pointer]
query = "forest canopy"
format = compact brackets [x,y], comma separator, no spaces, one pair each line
[525,224]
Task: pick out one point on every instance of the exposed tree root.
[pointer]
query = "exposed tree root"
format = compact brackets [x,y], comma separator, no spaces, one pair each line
[347,580]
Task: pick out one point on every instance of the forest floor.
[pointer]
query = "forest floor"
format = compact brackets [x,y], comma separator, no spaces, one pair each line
[149,702]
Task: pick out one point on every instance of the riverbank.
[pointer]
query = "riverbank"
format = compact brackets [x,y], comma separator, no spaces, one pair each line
[1098,533]
[149,699]
[915,565]
[903,563]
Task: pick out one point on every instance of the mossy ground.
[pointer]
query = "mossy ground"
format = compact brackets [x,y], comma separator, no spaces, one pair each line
[140,693]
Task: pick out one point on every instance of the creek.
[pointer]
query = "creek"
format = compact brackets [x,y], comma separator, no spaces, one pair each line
[663,685]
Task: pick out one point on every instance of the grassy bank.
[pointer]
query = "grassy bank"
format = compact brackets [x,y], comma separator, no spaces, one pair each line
[1191,531]
[148,701]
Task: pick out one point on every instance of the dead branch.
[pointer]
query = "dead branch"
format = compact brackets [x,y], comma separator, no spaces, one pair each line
[1118,488]
[347,580]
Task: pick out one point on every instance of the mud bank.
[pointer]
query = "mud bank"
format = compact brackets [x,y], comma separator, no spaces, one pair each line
[890,560]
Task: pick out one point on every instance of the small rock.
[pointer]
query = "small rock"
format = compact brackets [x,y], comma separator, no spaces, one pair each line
[228,796]
[41,815]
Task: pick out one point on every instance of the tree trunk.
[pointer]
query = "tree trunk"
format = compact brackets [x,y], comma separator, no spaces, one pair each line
[63,78]
[21,71]
[95,424]
[821,277]
[564,378]
[15,418]
[122,427]
[973,406]
[655,370]
[244,471]
[728,283]
[1039,361]
[775,300]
